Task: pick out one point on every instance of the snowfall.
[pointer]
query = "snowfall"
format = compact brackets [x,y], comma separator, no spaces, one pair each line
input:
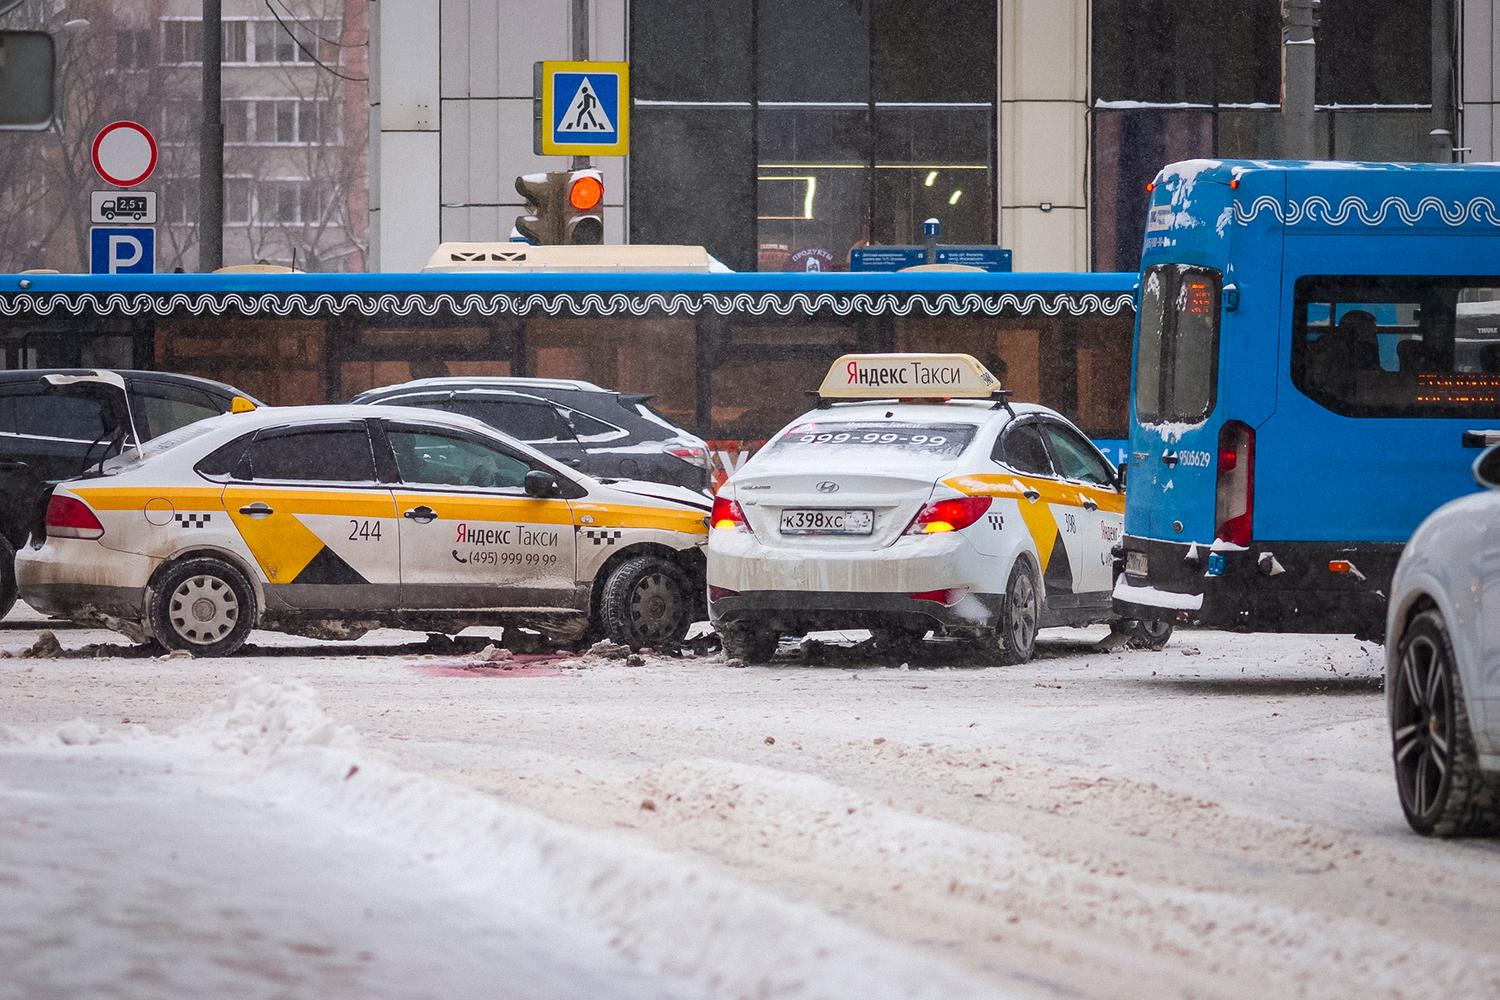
[405,817]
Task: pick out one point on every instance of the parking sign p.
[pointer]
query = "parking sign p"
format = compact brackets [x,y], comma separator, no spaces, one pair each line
[122,250]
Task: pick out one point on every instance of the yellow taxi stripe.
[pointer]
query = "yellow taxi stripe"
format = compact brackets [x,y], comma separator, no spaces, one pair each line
[136,498]
[614,515]
[463,507]
[1003,484]
[374,502]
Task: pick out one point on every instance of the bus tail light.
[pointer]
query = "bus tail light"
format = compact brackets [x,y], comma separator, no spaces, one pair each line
[727,515]
[69,518]
[1234,503]
[953,514]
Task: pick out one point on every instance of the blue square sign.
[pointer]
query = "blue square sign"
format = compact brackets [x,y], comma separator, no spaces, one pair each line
[584,108]
[122,250]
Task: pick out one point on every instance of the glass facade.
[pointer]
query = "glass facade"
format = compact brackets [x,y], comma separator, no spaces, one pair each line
[842,123]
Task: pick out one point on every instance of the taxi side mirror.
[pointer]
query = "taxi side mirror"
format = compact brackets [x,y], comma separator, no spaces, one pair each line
[1487,468]
[1120,475]
[541,484]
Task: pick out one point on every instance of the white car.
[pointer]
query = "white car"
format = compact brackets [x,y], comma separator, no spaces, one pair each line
[329,520]
[916,498]
[1442,680]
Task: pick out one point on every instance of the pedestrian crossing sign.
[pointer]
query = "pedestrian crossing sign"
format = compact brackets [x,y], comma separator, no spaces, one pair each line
[584,108]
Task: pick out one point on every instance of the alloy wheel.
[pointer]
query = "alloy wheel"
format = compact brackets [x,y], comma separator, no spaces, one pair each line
[1423,732]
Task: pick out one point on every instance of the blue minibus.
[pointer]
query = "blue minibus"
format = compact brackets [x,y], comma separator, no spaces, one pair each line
[1316,346]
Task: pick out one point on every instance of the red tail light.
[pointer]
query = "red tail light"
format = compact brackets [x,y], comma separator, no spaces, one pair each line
[69,518]
[953,514]
[691,454]
[727,515]
[1234,502]
[947,598]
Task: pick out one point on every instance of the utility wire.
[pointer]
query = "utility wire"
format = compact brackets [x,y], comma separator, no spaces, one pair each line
[308,52]
[302,23]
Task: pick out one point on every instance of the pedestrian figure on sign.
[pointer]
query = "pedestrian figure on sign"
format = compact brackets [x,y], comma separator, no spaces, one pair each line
[586,107]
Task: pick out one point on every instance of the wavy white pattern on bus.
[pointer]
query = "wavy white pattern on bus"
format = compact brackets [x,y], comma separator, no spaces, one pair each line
[590,304]
[1317,209]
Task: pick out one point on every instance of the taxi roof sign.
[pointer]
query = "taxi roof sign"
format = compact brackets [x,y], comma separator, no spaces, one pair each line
[908,376]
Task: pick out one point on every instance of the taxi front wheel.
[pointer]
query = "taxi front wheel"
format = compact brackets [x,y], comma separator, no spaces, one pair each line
[205,606]
[646,602]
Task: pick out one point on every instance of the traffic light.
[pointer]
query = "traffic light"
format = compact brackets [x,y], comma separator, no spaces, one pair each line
[583,211]
[542,223]
[562,207]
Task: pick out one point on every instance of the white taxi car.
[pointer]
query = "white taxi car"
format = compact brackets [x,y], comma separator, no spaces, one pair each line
[1442,679]
[916,498]
[329,520]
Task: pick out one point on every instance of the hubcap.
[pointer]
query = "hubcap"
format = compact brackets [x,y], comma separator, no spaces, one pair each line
[203,609]
[1023,612]
[654,608]
[1422,733]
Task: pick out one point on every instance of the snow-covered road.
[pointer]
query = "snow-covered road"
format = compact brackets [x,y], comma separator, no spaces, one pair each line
[380,819]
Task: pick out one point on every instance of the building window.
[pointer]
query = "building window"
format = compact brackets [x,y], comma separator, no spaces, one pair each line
[133,49]
[179,201]
[179,120]
[236,201]
[182,41]
[847,118]
[291,41]
[290,202]
[1209,86]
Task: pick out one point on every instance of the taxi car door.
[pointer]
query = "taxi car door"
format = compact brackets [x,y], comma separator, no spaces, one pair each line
[1101,507]
[1048,506]
[470,535]
[310,507]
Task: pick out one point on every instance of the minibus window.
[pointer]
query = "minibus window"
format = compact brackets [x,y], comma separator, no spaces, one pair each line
[1177,359]
[1398,346]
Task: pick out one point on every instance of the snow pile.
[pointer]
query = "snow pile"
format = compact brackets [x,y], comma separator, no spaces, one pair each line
[658,911]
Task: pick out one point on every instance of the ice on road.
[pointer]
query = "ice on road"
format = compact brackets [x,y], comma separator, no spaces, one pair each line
[1214,820]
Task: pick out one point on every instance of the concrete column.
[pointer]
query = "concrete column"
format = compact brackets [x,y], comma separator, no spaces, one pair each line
[1043,136]
[404,149]
[1479,87]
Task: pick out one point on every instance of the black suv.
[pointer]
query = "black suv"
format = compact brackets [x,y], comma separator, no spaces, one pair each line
[49,433]
[604,433]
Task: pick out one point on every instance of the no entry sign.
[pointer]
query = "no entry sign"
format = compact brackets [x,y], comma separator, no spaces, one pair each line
[124,153]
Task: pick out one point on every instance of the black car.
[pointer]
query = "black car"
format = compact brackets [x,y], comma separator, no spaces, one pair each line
[49,433]
[604,433]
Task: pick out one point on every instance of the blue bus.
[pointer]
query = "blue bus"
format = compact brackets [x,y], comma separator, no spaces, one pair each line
[728,356]
[1317,344]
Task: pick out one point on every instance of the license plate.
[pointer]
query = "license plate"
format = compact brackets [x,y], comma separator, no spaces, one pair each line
[827,522]
[1135,563]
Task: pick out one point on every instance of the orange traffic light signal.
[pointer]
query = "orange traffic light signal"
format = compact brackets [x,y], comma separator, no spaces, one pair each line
[583,217]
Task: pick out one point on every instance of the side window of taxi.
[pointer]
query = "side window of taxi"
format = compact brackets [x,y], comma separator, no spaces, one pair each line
[316,455]
[435,459]
[1021,448]
[1076,458]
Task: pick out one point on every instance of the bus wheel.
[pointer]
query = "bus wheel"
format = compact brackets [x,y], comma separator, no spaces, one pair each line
[7,576]
[205,606]
[1016,631]
[1443,792]
[647,602]
[749,642]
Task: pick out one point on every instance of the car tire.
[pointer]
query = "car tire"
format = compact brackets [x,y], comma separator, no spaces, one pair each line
[1015,634]
[204,605]
[1442,790]
[749,642]
[7,576]
[647,601]
[1145,633]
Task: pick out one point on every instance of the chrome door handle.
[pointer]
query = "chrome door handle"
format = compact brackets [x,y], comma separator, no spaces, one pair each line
[1088,504]
[422,515]
[1031,495]
[257,510]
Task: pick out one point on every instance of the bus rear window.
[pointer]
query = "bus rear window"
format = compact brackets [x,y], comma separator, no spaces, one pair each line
[1177,358]
[1399,346]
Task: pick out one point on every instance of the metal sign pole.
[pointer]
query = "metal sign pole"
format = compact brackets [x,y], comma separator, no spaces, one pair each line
[580,54]
[211,145]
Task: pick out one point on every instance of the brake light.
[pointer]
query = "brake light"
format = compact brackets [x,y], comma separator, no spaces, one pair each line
[953,514]
[1234,500]
[691,454]
[727,515]
[947,597]
[69,518]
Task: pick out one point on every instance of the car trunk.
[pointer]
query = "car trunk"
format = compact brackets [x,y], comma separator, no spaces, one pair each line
[838,485]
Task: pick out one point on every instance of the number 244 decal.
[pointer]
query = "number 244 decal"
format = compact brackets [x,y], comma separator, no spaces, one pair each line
[364,531]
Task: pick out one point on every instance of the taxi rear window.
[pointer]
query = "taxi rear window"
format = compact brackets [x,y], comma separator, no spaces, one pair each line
[930,440]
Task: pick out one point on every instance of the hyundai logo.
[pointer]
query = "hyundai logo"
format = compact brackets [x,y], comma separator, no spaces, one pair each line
[828,486]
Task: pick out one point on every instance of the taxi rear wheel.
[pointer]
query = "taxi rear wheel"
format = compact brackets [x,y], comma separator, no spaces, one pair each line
[205,606]
[1016,631]
[7,576]
[647,602]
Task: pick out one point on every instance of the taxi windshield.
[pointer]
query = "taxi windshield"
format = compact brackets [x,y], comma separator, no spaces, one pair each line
[928,441]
